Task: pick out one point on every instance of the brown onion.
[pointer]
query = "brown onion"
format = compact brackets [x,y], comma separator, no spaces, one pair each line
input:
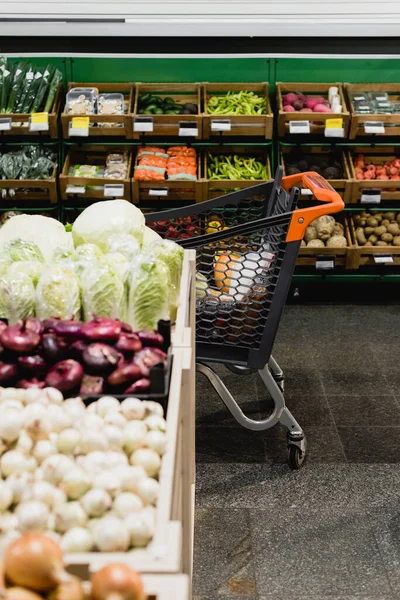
[67,590]
[19,593]
[117,582]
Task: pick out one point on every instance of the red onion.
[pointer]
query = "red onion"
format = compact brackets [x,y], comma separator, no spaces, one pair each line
[7,372]
[150,338]
[140,386]
[77,348]
[26,384]
[100,359]
[125,327]
[128,343]
[3,326]
[125,373]
[91,385]
[101,330]
[54,348]
[71,330]
[34,324]
[65,375]
[149,357]
[20,339]
[32,364]
[49,324]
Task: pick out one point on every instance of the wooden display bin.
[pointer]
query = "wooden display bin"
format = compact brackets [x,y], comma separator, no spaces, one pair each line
[343,185]
[169,125]
[248,125]
[124,128]
[94,155]
[360,256]
[385,190]
[391,122]
[317,120]
[315,257]
[39,189]
[214,188]
[20,123]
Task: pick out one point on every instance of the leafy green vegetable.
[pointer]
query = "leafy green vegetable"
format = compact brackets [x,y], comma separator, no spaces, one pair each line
[149,293]
[8,74]
[17,297]
[57,77]
[44,85]
[58,294]
[20,250]
[103,292]
[89,252]
[172,256]
[124,243]
[118,263]
[32,268]
[16,84]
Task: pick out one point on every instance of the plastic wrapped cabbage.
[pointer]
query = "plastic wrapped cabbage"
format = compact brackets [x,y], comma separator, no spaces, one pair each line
[99,221]
[62,254]
[21,250]
[172,256]
[4,264]
[17,297]
[103,292]
[124,243]
[88,252]
[118,262]
[58,294]
[148,294]
[149,237]
[32,268]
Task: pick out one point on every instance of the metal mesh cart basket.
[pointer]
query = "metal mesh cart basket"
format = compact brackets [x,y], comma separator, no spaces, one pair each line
[246,246]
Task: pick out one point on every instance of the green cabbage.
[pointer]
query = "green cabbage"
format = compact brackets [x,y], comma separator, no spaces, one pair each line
[103,292]
[17,297]
[89,252]
[32,268]
[58,294]
[124,243]
[4,264]
[149,237]
[62,254]
[118,263]
[149,293]
[21,250]
[172,256]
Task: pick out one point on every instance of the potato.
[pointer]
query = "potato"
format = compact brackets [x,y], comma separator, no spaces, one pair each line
[338,229]
[380,230]
[372,222]
[361,239]
[324,226]
[336,241]
[373,239]
[369,231]
[398,217]
[368,244]
[363,222]
[394,229]
[387,237]
[396,240]
[378,217]
[385,222]
[311,234]
[364,214]
[302,244]
[389,215]
[381,243]
[316,244]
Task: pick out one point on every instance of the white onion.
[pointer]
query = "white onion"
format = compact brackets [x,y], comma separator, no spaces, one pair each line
[92,440]
[8,522]
[94,462]
[108,481]
[59,497]
[77,539]
[133,408]
[156,440]
[11,422]
[34,395]
[75,483]
[13,462]
[92,524]
[55,467]
[32,515]
[11,404]
[24,442]
[68,440]
[6,539]
[74,407]
[148,490]
[38,474]
[115,418]
[69,515]
[139,530]
[127,503]
[54,396]
[60,419]
[115,459]
[148,459]
[34,410]
[156,422]
[18,482]
[111,535]
[6,496]
[39,490]
[96,502]
[107,404]
[51,522]
[38,427]
[133,436]
[91,409]
[53,535]
[113,435]
[153,408]
[129,477]
[91,422]
[43,449]
[149,514]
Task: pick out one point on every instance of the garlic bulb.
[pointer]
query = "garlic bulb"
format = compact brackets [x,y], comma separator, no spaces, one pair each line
[60,419]
[96,502]
[111,535]
[148,459]
[139,530]
[133,436]
[14,462]
[108,481]
[148,489]
[127,503]
[77,539]
[75,483]
[115,418]
[92,440]
[55,467]
[133,408]
[43,449]
[107,404]
[68,440]
[32,516]
[156,440]
[11,422]
[129,477]
[69,515]
[6,496]
[156,422]
[113,435]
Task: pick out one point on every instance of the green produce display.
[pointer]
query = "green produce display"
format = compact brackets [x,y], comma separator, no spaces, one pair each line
[236,168]
[30,162]
[237,103]
[150,104]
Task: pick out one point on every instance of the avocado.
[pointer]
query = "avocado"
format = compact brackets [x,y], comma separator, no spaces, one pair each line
[169,101]
[192,108]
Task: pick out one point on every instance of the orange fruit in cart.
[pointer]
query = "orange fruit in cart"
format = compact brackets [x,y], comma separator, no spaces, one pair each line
[226,268]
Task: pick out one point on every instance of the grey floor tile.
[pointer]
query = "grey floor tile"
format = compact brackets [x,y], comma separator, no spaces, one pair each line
[299,380]
[386,527]
[229,444]
[289,596]
[371,444]
[223,559]
[375,485]
[323,444]
[316,553]
[364,410]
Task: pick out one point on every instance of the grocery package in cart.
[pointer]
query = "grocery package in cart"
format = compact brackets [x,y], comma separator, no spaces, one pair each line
[247,244]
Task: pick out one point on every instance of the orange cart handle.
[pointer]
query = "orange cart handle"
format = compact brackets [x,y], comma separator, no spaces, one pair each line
[323,192]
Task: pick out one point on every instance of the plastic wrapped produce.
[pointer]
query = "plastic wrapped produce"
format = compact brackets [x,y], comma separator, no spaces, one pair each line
[103,292]
[149,293]
[17,297]
[58,294]
[172,256]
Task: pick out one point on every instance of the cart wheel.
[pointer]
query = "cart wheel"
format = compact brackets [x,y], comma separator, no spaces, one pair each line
[239,370]
[296,457]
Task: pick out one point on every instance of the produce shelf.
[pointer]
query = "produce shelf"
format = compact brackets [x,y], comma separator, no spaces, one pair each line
[391,122]
[39,189]
[325,259]
[371,256]
[372,191]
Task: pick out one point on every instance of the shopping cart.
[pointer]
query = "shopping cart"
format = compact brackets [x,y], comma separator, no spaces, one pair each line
[246,245]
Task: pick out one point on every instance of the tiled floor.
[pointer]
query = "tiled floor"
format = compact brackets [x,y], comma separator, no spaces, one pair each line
[330,531]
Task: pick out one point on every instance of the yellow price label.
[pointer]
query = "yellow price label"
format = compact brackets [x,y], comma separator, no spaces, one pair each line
[42,117]
[80,123]
[334,123]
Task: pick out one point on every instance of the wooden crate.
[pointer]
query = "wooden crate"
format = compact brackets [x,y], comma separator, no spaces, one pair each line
[162,587]
[391,122]
[308,257]
[360,256]
[169,125]
[317,120]
[20,122]
[92,155]
[168,189]
[216,188]
[248,125]
[127,89]
[343,186]
[41,189]
[388,190]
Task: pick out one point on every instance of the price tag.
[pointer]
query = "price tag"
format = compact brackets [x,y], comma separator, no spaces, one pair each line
[299,126]
[79,127]
[305,192]
[221,125]
[76,189]
[112,190]
[325,263]
[159,192]
[143,124]
[5,124]
[334,128]
[39,122]
[383,259]
[374,127]
[188,129]
[371,197]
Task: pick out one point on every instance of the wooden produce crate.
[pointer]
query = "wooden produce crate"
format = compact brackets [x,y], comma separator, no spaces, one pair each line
[167,587]
[214,188]
[391,122]
[317,120]
[248,125]
[343,185]
[376,190]
[39,189]
[360,256]
[93,155]
[124,131]
[181,190]
[169,125]
[315,257]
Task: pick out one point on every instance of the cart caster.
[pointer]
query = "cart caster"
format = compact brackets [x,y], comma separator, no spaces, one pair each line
[297,453]
[239,370]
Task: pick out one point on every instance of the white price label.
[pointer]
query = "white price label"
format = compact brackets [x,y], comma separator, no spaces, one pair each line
[188,129]
[374,127]
[383,258]
[299,126]
[159,192]
[5,124]
[325,265]
[305,192]
[373,197]
[334,133]
[221,125]
[113,190]
[143,124]
[76,189]
[78,131]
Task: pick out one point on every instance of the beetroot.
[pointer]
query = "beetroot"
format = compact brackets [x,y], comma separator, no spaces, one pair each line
[150,338]
[54,348]
[34,324]
[76,349]
[149,357]
[65,375]
[49,324]
[19,339]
